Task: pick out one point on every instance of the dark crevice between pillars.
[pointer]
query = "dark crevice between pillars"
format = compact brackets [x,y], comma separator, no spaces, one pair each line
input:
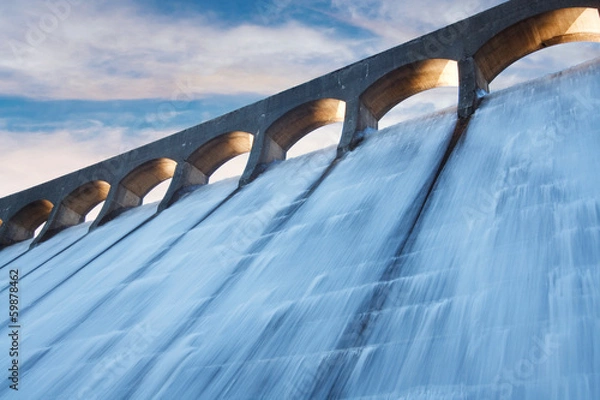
[132,276]
[334,372]
[276,224]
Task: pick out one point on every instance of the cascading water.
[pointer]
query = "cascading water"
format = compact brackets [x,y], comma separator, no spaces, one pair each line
[372,277]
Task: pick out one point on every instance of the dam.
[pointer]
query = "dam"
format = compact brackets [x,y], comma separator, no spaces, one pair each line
[453,256]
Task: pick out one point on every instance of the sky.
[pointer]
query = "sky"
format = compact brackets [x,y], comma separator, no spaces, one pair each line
[83,81]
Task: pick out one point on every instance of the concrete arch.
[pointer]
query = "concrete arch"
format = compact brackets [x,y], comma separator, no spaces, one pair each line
[213,154]
[406,81]
[132,189]
[22,225]
[577,24]
[300,121]
[74,207]
[283,131]
[204,161]
[146,176]
[87,196]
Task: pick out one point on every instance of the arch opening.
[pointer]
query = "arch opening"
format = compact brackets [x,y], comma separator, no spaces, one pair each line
[232,168]
[398,85]
[546,61]
[146,177]
[421,104]
[83,199]
[133,189]
[39,229]
[74,208]
[157,193]
[220,158]
[94,212]
[304,119]
[320,138]
[532,34]
[27,221]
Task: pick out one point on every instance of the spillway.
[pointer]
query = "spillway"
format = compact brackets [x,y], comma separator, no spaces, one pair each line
[408,269]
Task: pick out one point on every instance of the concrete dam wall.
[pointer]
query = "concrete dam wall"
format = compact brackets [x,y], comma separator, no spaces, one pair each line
[454,256]
[413,267]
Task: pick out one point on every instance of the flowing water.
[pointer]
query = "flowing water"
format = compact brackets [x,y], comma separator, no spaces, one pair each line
[376,276]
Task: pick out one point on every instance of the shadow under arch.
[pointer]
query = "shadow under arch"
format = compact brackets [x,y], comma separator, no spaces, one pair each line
[74,207]
[135,186]
[406,81]
[577,24]
[305,118]
[22,225]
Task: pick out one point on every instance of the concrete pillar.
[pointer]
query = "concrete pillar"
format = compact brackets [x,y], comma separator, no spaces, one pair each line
[186,177]
[264,151]
[62,217]
[358,118]
[22,225]
[118,201]
[472,87]
[13,233]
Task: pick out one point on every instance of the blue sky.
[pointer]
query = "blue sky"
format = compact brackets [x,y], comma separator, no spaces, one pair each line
[82,81]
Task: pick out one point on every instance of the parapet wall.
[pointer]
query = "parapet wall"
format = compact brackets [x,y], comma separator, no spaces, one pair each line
[468,54]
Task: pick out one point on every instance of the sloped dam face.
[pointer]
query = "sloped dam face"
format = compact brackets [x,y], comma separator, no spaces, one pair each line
[397,272]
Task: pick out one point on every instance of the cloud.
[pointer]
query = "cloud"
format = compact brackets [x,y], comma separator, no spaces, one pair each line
[101,52]
[396,22]
[33,157]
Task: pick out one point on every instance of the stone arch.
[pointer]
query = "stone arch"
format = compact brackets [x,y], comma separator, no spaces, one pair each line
[132,189]
[302,120]
[85,197]
[204,161]
[75,206]
[139,182]
[22,225]
[210,156]
[406,81]
[577,24]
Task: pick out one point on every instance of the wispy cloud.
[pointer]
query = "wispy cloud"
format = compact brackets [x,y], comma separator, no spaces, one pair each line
[102,52]
[394,22]
[35,157]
